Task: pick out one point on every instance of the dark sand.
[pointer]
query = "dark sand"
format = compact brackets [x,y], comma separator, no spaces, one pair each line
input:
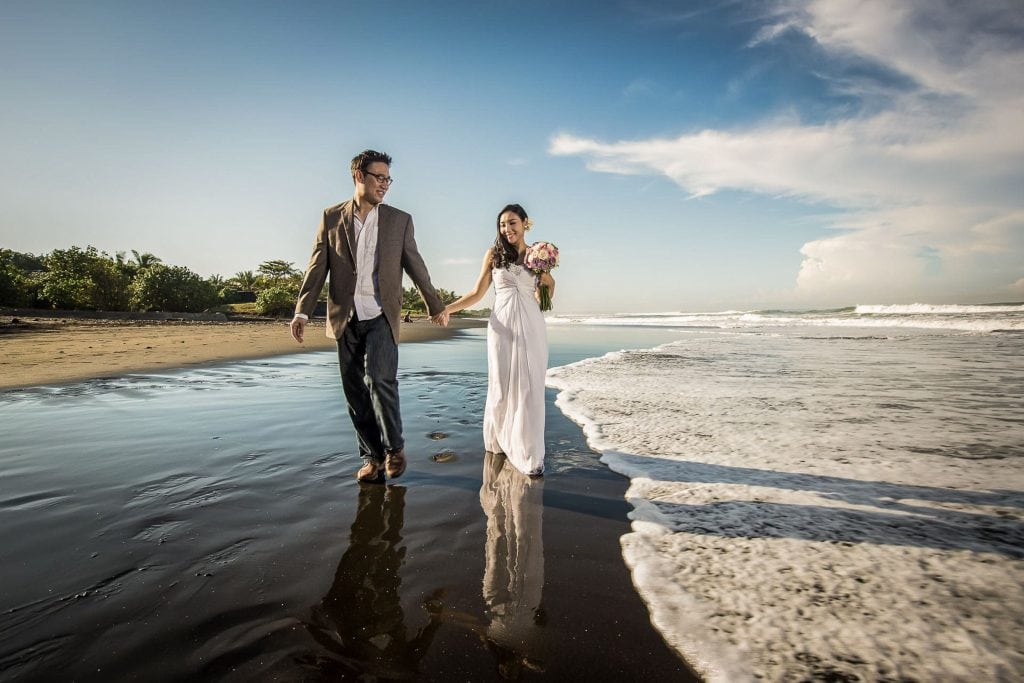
[205,525]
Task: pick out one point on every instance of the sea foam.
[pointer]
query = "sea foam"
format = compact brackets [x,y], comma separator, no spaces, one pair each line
[979,319]
[844,504]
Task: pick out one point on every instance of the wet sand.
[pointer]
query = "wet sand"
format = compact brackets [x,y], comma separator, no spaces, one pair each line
[57,349]
[204,524]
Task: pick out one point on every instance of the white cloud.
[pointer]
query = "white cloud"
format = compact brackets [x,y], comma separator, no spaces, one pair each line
[928,253]
[639,88]
[459,262]
[930,186]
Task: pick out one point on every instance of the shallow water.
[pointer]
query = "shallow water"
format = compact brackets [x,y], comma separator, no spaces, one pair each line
[205,524]
[822,500]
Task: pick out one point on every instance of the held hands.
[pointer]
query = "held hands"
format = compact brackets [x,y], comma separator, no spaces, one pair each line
[298,329]
[441,318]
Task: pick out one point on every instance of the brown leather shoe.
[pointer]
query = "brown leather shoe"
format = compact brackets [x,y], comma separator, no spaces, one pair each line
[394,463]
[371,473]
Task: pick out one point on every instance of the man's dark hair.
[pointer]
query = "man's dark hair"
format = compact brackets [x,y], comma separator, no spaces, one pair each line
[367,157]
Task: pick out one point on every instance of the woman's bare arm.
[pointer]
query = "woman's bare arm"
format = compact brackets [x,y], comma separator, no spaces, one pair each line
[483,283]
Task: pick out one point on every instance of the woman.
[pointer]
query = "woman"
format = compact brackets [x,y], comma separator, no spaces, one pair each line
[517,347]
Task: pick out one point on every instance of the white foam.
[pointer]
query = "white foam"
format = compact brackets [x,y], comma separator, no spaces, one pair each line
[977,319]
[804,507]
[932,309]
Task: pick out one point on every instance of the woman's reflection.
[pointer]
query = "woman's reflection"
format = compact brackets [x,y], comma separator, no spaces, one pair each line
[360,620]
[514,573]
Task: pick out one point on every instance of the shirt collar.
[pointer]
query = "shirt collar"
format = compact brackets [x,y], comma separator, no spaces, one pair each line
[355,210]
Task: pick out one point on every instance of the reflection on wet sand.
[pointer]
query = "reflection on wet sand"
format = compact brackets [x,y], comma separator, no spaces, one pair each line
[360,621]
[514,573]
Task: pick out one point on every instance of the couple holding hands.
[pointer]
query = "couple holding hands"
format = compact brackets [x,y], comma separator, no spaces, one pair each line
[361,249]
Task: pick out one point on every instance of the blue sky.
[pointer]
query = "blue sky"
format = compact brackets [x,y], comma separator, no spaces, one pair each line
[682,155]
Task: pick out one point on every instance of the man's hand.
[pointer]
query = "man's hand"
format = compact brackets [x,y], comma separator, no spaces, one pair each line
[298,328]
[440,319]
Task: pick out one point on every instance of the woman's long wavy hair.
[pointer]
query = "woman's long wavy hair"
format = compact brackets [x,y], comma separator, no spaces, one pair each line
[505,254]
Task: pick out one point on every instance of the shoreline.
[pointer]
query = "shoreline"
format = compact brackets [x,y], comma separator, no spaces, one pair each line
[249,533]
[43,348]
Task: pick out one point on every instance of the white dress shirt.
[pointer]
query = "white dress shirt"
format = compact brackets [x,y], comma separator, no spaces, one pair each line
[367,299]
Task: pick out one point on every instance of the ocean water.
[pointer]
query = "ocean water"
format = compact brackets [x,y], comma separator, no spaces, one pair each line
[204,524]
[822,495]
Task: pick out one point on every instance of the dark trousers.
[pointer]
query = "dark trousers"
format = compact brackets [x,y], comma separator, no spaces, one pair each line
[368,357]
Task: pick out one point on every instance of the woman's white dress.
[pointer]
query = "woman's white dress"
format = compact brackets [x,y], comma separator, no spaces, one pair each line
[517,361]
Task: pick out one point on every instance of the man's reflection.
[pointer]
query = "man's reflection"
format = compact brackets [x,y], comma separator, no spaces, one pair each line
[514,573]
[360,620]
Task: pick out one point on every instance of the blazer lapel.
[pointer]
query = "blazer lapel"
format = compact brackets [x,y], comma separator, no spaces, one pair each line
[348,227]
[383,233]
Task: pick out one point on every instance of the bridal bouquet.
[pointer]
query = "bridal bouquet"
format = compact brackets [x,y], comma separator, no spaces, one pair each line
[541,257]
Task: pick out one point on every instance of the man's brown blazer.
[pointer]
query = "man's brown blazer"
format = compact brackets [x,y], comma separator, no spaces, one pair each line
[334,252]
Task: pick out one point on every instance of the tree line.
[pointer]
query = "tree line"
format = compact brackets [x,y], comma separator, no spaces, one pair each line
[88,279]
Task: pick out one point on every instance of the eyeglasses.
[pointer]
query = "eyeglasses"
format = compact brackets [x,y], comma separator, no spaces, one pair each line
[382,179]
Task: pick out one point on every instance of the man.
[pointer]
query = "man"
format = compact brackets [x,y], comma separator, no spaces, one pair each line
[365,245]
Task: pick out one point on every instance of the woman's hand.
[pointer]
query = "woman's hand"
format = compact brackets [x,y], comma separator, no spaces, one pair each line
[546,280]
[545,291]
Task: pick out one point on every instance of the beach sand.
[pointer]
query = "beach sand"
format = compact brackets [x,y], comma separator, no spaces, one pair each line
[51,348]
[204,524]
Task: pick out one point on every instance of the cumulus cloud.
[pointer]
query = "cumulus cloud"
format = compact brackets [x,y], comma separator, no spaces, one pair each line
[928,186]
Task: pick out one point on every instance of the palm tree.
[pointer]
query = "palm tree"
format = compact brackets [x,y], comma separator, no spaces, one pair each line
[245,280]
[145,260]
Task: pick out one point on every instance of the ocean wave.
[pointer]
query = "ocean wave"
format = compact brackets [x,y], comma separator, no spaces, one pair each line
[936,309]
[976,319]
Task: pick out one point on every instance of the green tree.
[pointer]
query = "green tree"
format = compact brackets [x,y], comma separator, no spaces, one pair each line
[275,272]
[28,263]
[16,286]
[123,264]
[145,260]
[412,301]
[245,280]
[275,301]
[228,295]
[447,296]
[171,288]
[78,278]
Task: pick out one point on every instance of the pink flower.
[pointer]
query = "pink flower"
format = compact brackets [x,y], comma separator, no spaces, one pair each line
[541,257]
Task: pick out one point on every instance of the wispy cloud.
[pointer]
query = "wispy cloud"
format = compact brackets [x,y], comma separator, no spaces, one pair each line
[459,261]
[639,87]
[929,186]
